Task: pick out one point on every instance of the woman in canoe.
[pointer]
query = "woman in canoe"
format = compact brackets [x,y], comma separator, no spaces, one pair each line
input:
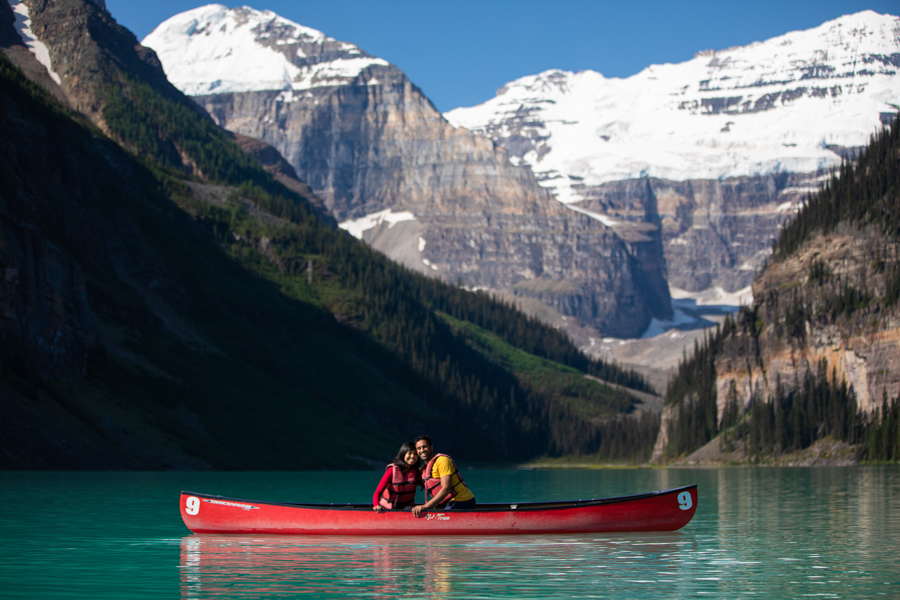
[397,488]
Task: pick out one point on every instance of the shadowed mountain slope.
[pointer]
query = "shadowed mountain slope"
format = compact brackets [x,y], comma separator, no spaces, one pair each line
[168,303]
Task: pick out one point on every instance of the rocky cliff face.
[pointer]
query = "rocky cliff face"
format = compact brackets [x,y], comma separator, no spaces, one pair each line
[472,216]
[77,51]
[861,348]
[377,143]
[800,324]
[715,233]
[82,46]
[440,199]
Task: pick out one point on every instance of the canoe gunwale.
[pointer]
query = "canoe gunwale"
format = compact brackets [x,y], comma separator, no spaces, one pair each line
[492,507]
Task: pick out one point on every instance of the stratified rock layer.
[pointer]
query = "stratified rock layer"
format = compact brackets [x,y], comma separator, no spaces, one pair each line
[714,232]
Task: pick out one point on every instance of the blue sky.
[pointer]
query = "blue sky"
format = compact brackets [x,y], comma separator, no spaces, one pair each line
[460,52]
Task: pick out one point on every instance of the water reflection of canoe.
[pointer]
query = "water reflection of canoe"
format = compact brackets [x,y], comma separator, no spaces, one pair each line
[433,566]
[666,510]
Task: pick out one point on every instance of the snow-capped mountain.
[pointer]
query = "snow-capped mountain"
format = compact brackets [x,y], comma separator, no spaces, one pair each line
[789,104]
[215,49]
[394,172]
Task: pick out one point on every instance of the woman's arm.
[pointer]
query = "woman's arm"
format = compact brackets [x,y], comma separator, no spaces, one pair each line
[382,485]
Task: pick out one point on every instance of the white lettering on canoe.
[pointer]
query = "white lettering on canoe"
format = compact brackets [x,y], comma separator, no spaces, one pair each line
[235,504]
[437,517]
[192,505]
[684,500]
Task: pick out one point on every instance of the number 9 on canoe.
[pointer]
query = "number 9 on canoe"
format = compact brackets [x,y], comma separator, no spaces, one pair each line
[684,501]
[192,505]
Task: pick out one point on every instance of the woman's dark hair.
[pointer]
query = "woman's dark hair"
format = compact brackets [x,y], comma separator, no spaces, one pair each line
[399,460]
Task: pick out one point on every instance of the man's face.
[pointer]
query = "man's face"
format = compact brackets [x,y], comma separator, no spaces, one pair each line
[423,449]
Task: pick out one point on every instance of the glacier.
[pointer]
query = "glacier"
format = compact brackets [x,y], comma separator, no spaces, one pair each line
[792,103]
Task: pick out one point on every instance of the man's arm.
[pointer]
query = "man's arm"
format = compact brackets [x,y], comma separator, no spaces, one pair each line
[445,490]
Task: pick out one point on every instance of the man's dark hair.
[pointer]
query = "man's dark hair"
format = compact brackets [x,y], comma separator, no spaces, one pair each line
[423,437]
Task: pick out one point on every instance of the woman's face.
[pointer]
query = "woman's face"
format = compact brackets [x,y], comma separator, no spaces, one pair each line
[411,458]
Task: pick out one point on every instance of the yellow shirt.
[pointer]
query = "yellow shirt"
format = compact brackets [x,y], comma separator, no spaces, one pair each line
[444,466]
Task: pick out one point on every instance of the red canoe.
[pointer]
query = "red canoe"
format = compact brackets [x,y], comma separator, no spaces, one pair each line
[666,510]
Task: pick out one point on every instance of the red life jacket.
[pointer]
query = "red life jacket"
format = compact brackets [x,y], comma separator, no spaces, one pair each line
[401,491]
[433,484]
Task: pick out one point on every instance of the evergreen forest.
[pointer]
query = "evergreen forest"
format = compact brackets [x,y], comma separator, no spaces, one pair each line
[863,195]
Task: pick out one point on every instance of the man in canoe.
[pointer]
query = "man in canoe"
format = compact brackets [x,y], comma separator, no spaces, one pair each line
[442,481]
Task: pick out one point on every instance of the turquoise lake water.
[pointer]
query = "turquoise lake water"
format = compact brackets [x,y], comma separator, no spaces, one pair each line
[786,533]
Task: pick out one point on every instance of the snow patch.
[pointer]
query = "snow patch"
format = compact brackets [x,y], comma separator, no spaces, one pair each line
[356,227]
[421,244]
[37,47]
[715,296]
[335,72]
[428,264]
[659,326]
[602,218]
[685,308]
[784,207]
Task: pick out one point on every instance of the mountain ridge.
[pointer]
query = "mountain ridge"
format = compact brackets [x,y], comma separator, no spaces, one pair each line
[373,141]
[719,150]
[779,74]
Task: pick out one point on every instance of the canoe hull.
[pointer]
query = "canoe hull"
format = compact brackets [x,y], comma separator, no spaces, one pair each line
[659,511]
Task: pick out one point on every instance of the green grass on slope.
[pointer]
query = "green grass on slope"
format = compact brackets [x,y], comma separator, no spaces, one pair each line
[554,381]
[588,420]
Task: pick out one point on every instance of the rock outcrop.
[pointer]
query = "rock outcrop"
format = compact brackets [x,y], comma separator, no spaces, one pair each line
[861,348]
[275,164]
[86,50]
